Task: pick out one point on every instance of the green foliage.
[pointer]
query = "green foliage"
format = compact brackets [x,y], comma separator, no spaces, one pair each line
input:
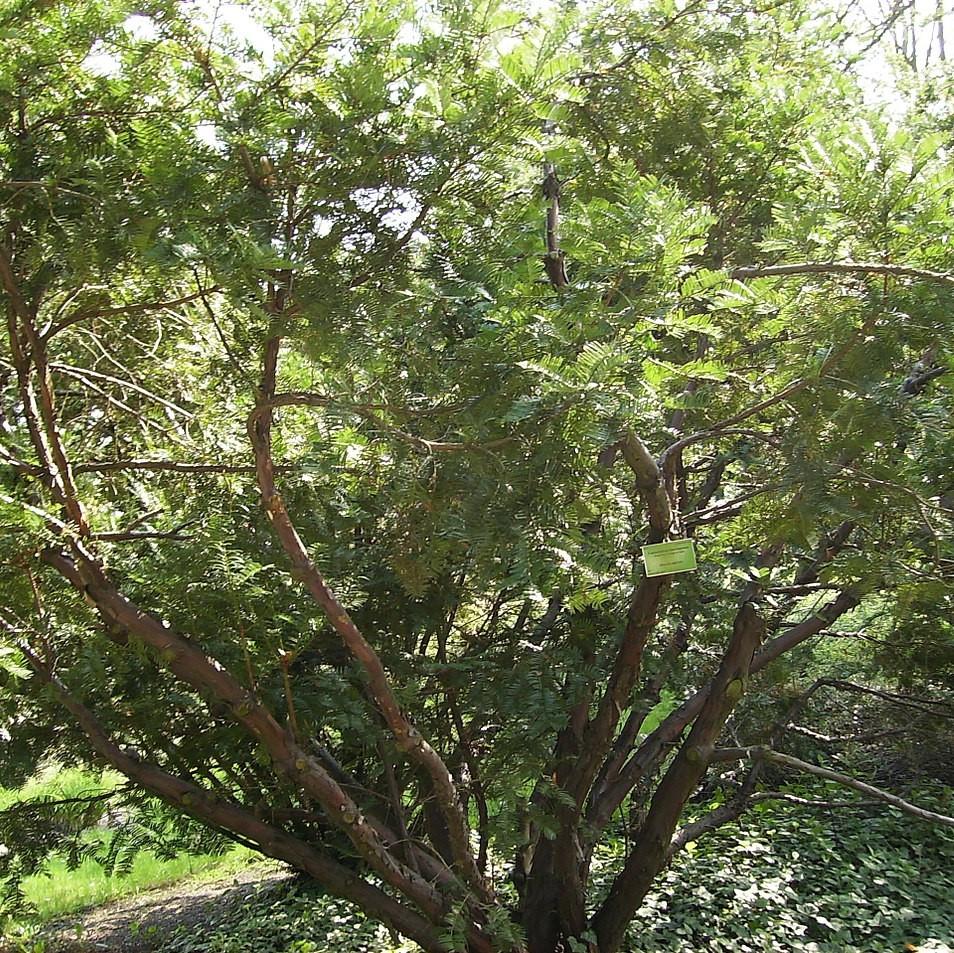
[297,919]
[363,181]
[783,879]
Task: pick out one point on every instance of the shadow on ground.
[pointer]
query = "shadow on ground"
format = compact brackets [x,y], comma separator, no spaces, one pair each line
[139,924]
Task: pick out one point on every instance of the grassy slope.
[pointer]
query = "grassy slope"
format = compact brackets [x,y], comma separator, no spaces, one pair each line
[58,890]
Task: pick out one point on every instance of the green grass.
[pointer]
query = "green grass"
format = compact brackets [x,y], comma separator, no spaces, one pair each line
[59,891]
[55,781]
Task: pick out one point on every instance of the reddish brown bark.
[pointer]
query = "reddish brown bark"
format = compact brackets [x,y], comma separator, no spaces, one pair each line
[408,739]
[199,803]
[678,783]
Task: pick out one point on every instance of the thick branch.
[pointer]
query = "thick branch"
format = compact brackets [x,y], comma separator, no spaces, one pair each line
[797,634]
[598,735]
[842,268]
[678,783]
[39,405]
[640,621]
[648,699]
[554,261]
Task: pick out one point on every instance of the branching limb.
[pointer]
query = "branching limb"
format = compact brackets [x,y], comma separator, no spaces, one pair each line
[728,508]
[786,760]
[690,763]
[659,742]
[598,735]
[648,698]
[407,737]
[229,817]
[724,814]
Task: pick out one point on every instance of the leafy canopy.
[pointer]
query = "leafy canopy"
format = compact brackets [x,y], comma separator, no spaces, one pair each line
[349,195]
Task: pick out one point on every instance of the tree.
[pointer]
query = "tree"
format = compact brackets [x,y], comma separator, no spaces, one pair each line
[325,497]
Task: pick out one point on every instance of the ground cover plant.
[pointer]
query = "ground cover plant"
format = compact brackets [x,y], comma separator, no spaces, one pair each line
[782,885]
[353,353]
[778,883]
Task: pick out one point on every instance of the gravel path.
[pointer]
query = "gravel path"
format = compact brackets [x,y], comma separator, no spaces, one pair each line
[137,924]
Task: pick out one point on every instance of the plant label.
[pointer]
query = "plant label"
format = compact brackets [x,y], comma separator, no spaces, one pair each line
[661,559]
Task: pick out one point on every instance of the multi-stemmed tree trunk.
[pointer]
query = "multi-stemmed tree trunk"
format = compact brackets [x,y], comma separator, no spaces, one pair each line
[340,300]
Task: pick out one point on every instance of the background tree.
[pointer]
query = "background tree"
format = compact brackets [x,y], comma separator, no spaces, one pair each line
[323,506]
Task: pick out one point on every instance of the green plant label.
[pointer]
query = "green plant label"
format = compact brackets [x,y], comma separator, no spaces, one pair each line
[661,559]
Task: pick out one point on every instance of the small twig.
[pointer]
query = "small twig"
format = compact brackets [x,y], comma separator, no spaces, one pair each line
[80,371]
[173,466]
[118,310]
[125,537]
[306,399]
[809,802]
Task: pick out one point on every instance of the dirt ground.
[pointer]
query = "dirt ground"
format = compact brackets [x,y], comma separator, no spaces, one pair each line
[137,924]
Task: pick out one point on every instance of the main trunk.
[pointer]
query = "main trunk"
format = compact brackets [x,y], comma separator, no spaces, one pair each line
[554,908]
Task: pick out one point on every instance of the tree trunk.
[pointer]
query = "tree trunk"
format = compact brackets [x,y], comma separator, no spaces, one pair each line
[555,908]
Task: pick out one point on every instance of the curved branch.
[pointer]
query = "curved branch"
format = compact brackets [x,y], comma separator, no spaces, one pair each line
[173,466]
[129,309]
[925,706]
[407,737]
[81,372]
[650,485]
[835,356]
[786,760]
